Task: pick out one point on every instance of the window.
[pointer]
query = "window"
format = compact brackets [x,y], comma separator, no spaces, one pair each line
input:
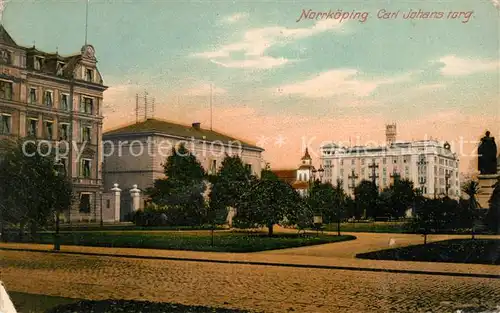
[341,162]
[362,161]
[5,57]
[407,171]
[48,98]
[341,172]
[248,167]
[86,105]
[32,95]
[363,172]
[32,127]
[394,161]
[86,133]
[85,170]
[5,123]
[38,63]
[384,161]
[384,171]
[108,204]
[64,102]
[59,68]
[353,162]
[84,203]
[49,129]
[64,131]
[89,75]
[213,167]
[6,90]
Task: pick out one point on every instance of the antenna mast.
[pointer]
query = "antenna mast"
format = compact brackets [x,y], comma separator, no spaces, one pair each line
[211,118]
[136,108]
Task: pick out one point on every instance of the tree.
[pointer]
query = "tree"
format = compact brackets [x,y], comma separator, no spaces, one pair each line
[232,180]
[366,195]
[267,203]
[493,215]
[471,188]
[402,196]
[181,192]
[31,191]
[426,220]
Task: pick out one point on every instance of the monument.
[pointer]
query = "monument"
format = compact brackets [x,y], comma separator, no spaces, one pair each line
[487,166]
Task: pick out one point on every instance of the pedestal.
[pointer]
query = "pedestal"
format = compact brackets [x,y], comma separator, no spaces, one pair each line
[486,185]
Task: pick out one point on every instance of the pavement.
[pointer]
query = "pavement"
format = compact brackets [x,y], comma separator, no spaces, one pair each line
[317,279]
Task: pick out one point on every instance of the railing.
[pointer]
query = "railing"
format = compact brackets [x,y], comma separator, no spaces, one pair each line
[87,181]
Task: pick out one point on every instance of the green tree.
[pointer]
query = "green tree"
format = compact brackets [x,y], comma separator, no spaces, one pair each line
[402,196]
[493,216]
[181,192]
[471,188]
[366,195]
[32,193]
[231,181]
[267,203]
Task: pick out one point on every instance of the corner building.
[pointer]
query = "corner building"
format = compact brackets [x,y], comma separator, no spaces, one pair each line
[46,96]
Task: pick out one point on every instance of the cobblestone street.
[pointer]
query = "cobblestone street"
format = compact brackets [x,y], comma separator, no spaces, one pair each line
[263,288]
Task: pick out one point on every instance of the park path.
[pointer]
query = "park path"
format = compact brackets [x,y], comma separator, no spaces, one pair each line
[341,254]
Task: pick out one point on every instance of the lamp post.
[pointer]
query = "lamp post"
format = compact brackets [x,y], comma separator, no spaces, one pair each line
[60,170]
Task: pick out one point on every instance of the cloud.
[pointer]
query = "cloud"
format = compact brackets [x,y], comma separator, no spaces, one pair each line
[455,66]
[337,82]
[431,86]
[496,3]
[234,18]
[204,90]
[261,62]
[257,41]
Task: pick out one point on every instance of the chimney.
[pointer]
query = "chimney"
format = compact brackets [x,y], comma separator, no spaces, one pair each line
[196,125]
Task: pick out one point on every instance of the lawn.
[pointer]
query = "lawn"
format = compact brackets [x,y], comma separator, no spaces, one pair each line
[224,241]
[31,303]
[472,251]
[369,227]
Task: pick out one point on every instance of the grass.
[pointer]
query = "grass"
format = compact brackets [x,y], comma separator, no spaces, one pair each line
[470,251]
[224,241]
[369,227]
[31,303]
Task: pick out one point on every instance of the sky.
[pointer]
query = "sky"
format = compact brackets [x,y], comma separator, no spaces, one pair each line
[283,76]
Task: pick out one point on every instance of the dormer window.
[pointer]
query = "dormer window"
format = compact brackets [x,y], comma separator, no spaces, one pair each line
[89,75]
[38,63]
[59,68]
[5,57]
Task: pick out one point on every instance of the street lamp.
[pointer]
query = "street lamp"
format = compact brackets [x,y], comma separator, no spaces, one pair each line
[60,171]
[321,171]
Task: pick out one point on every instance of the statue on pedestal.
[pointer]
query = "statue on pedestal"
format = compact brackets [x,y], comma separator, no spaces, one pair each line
[487,155]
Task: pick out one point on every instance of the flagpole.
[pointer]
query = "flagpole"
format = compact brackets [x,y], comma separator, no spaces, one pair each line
[211,121]
[86,20]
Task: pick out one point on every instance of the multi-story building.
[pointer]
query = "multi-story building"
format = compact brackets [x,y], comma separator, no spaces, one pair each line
[430,164]
[135,154]
[46,96]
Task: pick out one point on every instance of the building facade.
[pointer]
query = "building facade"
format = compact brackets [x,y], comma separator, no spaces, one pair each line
[57,99]
[301,177]
[430,164]
[135,154]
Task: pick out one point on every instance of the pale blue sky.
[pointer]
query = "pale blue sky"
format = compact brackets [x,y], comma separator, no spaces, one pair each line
[279,76]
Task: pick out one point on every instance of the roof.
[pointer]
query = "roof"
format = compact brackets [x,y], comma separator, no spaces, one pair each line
[305,166]
[306,156]
[287,175]
[300,185]
[152,125]
[5,38]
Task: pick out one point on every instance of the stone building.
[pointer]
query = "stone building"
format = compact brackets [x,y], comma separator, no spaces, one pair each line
[58,99]
[135,154]
[301,177]
[430,164]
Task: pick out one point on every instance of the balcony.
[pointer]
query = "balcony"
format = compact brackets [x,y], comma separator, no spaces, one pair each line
[87,181]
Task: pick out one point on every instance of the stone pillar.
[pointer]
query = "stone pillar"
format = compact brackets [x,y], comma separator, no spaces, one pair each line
[486,185]
[116,201]
[135,194]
